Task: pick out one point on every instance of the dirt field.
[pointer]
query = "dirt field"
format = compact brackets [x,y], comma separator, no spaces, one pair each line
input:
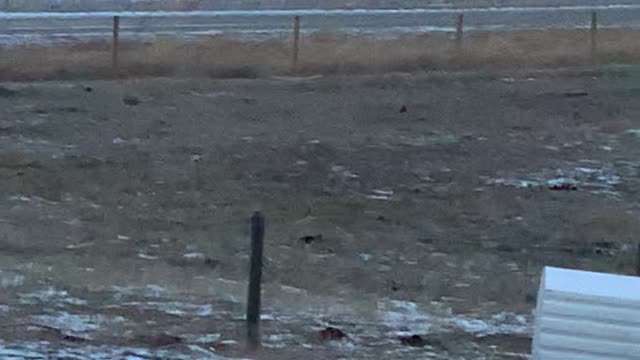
[397,205]
[224,57]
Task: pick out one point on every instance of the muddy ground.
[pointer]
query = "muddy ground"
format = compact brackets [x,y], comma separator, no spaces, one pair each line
[397,205]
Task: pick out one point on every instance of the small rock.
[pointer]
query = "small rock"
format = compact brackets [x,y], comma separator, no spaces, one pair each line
[70,109]
[426,240]
[88,89]
[212,263]
[131,100]
[71,338]
[604,248]
[331,333]
[604,244]
[563,187]
[403,109]
[576,93]
[413,340]
[394,286]
[530,299]
[160,340]
[505,248]
[308,239]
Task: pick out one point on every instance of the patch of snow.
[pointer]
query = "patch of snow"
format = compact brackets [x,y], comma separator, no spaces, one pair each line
[596,178]
[50,296]
[263,317]
[9,280]
[380,194]
[45,351]
[146,256]
[293,290]
[404,316]
[365,257]
[75,324]
[560,182]
[175,308]
[501,323]
[520,184]
[202,339]
[79,246]
[343,172]
[149,290]
[22,198]
[586,170]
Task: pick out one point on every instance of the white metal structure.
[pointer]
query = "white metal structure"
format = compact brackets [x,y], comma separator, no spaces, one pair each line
[584,315]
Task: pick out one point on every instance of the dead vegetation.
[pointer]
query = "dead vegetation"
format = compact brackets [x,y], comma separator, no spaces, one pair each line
[220,57]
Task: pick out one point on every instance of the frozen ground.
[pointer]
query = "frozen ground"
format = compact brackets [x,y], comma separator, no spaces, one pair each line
[397,205]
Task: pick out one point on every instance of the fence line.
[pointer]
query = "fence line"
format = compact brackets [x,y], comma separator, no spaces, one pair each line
[116,44]
[459,31]
[296,45]
[295,41]
[593,38]
[293,55]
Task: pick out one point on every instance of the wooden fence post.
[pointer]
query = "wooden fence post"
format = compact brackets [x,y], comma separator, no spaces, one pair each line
[296,45]
[116,43]
[593,38]
[255,277]
[459,31]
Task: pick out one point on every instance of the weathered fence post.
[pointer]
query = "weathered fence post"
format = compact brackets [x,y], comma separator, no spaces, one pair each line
[593,38]
[459,31]
[255,277]
[116,43]
[296,45]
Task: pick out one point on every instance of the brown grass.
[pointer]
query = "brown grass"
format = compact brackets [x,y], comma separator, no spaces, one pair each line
[325,54]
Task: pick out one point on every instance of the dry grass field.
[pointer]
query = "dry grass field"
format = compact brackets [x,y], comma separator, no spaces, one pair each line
[220,57]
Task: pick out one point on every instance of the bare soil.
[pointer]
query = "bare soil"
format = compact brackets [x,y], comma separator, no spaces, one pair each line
[396,204]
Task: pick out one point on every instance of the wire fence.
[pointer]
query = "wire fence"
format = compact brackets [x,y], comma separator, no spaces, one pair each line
[283,41]
[458,31]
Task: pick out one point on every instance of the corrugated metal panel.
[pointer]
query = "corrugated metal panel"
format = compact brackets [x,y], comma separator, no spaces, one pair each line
[587,316]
